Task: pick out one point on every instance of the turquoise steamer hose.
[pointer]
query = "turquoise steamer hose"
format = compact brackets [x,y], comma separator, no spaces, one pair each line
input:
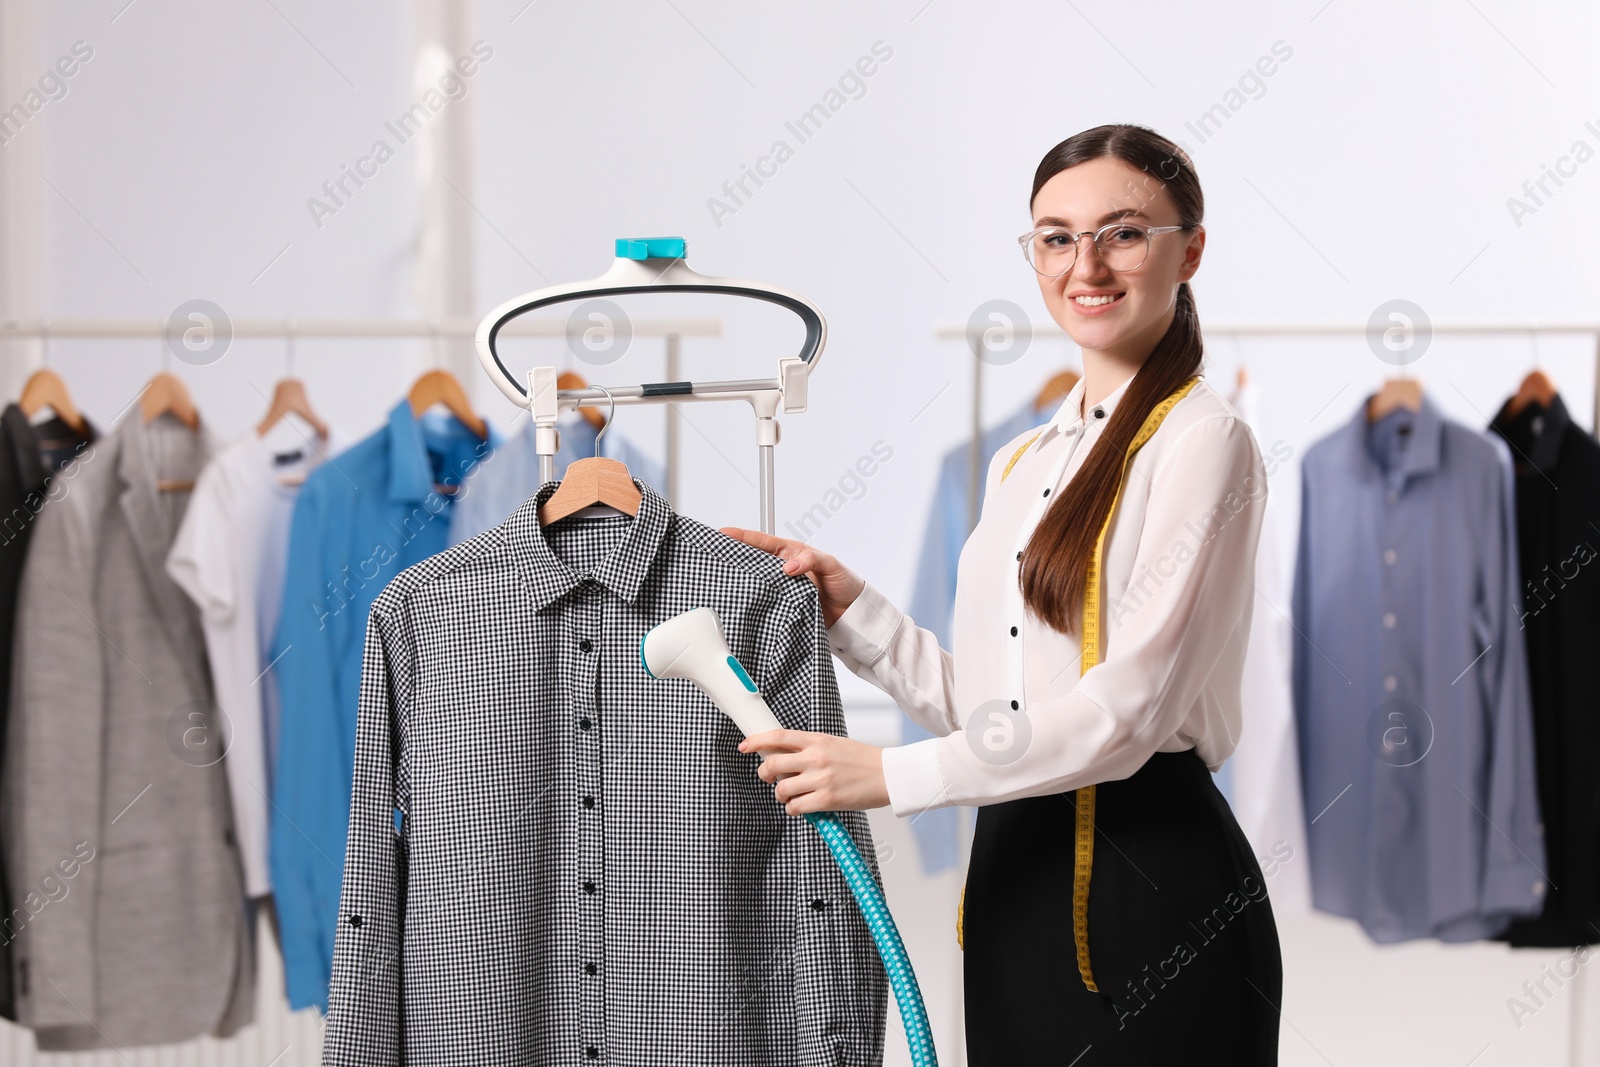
[691,646]
[902,979]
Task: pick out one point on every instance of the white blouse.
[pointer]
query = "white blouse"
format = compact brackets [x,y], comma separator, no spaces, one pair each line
[1013,716]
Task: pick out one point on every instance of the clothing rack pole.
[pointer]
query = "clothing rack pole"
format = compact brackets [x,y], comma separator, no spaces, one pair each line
[57,327]
[947,331]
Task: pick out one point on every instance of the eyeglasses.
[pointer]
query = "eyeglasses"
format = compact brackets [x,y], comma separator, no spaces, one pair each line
[1052,250]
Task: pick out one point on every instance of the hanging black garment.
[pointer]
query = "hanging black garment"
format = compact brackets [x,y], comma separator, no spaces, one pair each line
[28,456]
[1558,535]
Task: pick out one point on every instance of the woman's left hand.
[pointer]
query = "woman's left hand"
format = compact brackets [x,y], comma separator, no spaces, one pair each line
[820,772]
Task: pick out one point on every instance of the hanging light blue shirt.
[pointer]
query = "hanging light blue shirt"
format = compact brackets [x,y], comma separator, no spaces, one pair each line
[1411,684]
[361,518]
[511,475]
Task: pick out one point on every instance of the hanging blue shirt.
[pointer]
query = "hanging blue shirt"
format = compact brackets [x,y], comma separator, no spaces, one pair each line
[933,599]
[1411,684]
[360,519]
[511,475]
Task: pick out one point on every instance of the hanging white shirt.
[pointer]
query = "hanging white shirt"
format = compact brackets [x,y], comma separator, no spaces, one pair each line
[1014,717]
[1266,766]
[229,555]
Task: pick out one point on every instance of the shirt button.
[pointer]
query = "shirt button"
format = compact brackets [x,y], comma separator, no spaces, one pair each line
[1047,492]
[356,921]
[1538,888]
[588,802]
[589,968]
[1388,620]
[1390,684]
[594,1053]
[585,644]
[585,723]
[1013,705]
[1013,631]
[1099,413]
[588,887]
[819,905]
[1388,555]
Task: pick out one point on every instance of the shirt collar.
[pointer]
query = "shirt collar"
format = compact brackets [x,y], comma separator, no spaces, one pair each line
[1069,414]
[411,474]
[1370,442]
[1535,433]
[622,572]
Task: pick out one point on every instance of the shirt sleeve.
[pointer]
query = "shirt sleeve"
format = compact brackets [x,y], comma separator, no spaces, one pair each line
[1514,881]
[1159,655]
[303,658]
[365,1006]
[840,986]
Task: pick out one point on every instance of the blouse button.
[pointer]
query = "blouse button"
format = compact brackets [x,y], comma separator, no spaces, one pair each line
[1013,705]
[1013,631]
[1047,492]
[1019,555]
[1099,413]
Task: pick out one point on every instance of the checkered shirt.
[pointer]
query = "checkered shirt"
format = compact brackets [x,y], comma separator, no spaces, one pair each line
[556,859]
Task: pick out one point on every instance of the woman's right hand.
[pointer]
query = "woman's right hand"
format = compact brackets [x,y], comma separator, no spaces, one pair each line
[838,585]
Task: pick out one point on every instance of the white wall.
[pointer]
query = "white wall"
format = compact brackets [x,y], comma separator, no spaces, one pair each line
[1375,163]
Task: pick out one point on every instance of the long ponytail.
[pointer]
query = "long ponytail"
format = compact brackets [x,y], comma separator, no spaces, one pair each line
[1056,560]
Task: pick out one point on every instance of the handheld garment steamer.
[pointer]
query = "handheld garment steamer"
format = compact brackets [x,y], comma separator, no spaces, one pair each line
[691,646]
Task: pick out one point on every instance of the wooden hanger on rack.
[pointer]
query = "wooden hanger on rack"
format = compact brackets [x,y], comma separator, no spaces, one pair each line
[45,389]
[1536,388]
[289,398]
[442,387]
[1056,389]
[593,480]
[1395,393]
[167,395]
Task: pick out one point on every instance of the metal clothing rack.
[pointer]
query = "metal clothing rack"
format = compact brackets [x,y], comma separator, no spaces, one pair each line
[657,265]
[671,330]
[976,463]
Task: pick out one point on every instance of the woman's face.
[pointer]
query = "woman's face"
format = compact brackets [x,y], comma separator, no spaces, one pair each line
[1086,197]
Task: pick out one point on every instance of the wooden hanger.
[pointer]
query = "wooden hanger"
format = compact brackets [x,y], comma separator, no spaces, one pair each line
[1536,388]
[1395,393]
[442,387]
[167,395]
[289,395]
[289,398]
[593,480]
[571,379]
[1056,389]
[45,389]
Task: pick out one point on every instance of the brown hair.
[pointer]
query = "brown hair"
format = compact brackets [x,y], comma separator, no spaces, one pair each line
[1056,560]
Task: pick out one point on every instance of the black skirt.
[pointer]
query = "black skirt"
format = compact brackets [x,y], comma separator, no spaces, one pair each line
[1182,942]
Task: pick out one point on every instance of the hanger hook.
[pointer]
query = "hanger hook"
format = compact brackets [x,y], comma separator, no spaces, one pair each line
[433,327]
[611,414]
[288,348]
[44,342]
[1533,341]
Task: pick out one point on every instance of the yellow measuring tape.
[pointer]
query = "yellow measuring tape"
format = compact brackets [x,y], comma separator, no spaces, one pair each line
[1083,860]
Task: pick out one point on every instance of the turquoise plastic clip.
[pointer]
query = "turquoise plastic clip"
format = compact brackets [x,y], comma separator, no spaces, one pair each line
[650,247]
